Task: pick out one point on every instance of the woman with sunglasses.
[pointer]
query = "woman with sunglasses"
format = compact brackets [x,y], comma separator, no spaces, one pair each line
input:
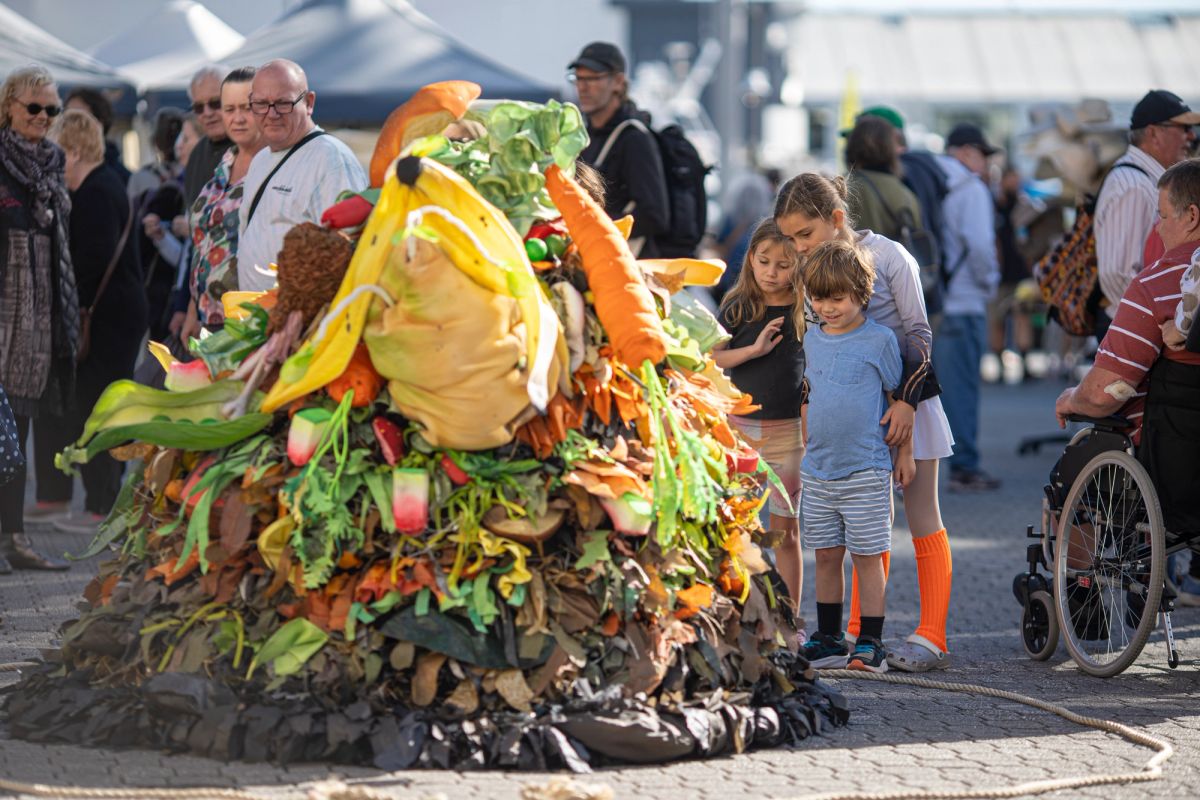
[39,308]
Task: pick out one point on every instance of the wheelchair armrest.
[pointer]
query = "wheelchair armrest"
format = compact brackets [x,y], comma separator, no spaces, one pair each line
[1113,422]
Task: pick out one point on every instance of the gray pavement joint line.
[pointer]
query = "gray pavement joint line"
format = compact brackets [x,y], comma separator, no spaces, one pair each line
[1152,770]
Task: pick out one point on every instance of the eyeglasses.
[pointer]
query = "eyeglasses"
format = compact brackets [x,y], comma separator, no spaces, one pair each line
[1183,126]
[282,107]
[213,105]
[36,108]
[588,80]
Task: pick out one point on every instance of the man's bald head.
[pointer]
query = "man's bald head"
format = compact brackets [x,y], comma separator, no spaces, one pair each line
[288,72]
[281,84]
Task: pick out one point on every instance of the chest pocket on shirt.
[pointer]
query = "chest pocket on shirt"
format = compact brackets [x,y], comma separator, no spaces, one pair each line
[848,370]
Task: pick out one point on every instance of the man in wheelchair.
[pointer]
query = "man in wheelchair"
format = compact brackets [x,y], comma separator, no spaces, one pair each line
[1156,387]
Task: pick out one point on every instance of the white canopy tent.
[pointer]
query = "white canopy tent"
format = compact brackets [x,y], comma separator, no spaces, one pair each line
[180,36]
[23,43]
[991,58]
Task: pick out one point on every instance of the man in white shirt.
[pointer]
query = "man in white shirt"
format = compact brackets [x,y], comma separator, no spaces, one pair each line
[1160,135]
[294,178]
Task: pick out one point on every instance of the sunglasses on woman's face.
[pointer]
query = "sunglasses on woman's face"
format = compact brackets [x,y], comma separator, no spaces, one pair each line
[213,105]
[36,108]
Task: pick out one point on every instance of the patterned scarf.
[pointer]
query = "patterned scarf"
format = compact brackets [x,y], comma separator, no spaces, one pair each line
[38,166]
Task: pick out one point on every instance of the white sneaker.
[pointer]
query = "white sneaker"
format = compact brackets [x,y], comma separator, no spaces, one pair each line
[85,523]
[989,368]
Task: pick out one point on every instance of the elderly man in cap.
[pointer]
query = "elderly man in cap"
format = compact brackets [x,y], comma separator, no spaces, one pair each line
[971,271]
[1160,135]
[622,147]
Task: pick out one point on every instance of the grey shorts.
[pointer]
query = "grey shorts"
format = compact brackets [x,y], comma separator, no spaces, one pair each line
[855,512]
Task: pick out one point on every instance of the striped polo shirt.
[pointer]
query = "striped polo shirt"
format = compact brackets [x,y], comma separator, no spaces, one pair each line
[1134,341]
[1126,212]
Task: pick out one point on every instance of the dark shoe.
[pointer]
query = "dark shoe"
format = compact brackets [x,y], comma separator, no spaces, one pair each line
[869,656]
[5,567]
[21,555]
[972,480]
[826,652]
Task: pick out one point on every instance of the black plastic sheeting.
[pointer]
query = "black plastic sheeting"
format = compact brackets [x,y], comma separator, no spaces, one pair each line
[186,712]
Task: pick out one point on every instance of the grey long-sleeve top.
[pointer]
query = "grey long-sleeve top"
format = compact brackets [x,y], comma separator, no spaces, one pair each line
[898,303]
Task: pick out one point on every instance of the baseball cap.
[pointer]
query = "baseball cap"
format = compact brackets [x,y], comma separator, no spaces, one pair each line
[600,57]
[1158,106]
[886,113]
[965,134]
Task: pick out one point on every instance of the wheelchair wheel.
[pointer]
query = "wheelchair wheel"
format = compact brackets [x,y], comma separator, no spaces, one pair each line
[1039,626]
[1109,564]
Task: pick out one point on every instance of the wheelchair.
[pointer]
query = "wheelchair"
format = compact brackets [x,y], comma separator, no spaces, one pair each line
[1104,546]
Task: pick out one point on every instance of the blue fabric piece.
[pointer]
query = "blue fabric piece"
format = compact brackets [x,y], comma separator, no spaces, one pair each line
[847,375]
[11,457]
[957,348]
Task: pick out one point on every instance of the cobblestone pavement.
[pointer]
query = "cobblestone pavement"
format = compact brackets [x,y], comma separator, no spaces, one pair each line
[899,737]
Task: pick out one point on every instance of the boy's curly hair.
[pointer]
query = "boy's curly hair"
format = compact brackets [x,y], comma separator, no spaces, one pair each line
[837,268]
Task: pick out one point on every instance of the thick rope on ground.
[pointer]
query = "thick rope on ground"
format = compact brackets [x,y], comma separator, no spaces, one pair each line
[337,790]
[1152,770]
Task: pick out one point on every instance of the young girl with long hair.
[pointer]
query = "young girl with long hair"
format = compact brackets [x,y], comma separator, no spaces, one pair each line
[765,359]
[810,210]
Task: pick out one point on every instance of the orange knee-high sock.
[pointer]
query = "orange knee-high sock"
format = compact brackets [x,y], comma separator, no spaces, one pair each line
[934,572]
[852,627]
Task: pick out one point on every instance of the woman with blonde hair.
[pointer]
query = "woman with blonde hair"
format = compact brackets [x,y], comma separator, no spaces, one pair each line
[39,310]
[108,277]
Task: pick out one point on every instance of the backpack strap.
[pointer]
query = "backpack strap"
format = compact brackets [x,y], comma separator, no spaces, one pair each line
[632,122]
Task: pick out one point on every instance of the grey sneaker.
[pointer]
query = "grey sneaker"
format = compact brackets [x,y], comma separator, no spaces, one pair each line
[47,513]
[85,523]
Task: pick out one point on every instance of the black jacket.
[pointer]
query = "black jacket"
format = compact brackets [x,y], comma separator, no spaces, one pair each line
[99,209]
[633,176]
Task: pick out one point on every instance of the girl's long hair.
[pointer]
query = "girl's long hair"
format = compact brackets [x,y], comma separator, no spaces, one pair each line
[745,302]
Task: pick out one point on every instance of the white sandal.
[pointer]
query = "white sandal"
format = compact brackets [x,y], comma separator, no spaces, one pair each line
[917,654]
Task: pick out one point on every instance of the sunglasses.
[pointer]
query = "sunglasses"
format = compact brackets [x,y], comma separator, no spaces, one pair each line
[213,105]
[36,108]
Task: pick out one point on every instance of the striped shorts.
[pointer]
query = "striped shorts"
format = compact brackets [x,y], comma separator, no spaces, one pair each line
[855,512]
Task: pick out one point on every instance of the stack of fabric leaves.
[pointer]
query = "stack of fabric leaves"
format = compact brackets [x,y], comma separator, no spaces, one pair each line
[487,513]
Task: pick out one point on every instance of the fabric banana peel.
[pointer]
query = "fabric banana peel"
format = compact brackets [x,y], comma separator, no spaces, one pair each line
[324,356]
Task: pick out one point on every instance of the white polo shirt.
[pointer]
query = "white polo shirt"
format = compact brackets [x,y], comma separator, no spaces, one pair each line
[299,191]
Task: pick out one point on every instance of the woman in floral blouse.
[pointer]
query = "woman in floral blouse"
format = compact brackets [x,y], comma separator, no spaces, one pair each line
[214,215]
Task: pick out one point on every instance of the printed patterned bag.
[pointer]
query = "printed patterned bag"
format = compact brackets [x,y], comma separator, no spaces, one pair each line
[1068,274]
[11,458]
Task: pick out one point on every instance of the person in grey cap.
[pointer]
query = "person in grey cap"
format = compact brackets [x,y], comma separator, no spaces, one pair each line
[1160,135]
[971,272]
[622,147]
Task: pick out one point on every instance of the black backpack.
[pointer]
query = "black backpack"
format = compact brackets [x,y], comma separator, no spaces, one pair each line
[686,198]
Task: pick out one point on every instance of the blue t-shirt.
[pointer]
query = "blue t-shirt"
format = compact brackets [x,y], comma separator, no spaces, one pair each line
[847,376]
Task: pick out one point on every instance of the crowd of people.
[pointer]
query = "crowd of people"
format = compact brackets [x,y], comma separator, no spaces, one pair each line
[857,308]
[905,238]
[98,260]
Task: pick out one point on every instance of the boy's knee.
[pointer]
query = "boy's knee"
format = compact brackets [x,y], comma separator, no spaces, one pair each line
[829,555]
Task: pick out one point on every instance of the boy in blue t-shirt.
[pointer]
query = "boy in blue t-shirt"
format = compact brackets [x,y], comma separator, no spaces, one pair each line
[846,504]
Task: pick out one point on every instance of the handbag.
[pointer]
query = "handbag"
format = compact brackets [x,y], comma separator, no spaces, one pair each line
[84,346]
[12,460]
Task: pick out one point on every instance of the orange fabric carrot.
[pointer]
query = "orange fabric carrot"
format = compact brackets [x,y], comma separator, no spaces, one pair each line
[430,110]
[360,375]
[623,303]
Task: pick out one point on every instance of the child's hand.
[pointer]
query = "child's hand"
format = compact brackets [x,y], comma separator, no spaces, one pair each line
[1172,336]
[904,468]
[769,337]
[899,419]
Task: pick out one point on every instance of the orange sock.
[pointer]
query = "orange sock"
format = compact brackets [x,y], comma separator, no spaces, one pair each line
[852,627]
[935,570]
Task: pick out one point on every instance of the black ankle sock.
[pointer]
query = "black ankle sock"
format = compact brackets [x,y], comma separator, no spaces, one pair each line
[872,628]
[829,619]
